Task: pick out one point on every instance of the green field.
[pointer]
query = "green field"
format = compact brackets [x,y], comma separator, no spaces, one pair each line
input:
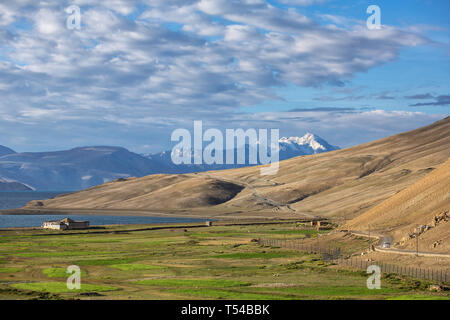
[219,262]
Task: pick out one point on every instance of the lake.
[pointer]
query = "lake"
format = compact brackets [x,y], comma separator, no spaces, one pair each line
[15,221]
[17,199]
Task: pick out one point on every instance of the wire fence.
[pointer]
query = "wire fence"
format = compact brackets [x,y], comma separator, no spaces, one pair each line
[334,255]
[438,275]
[330,253]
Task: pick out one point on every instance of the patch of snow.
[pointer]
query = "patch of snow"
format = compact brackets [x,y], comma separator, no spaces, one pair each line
[308,139]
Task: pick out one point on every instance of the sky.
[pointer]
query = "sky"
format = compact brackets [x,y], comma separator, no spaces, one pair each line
[134,71]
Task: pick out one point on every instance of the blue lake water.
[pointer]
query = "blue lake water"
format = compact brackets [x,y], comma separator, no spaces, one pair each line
[15,221]
[17,199]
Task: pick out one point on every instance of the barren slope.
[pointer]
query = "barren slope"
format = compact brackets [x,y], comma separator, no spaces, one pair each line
[343,183]
[154,191]
[425,204]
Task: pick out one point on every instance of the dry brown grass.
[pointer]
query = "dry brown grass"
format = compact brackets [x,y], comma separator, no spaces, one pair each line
[416,205]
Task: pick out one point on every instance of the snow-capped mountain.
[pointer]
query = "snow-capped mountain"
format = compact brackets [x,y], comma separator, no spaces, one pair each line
[289,147]
[85,167]
[306,145]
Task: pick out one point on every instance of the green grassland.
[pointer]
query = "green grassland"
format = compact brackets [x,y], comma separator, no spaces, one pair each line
[218,262]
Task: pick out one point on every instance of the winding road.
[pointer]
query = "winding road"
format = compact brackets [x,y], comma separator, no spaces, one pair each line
[257,195]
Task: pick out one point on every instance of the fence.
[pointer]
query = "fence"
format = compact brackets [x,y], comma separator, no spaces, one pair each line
[328,253]
[334,255]
[438,275]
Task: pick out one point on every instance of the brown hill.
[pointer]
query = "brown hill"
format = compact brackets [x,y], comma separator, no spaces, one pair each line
[343,183]
[423,208]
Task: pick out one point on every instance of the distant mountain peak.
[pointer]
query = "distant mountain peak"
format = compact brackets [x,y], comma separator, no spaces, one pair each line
[11,185]
[311,140]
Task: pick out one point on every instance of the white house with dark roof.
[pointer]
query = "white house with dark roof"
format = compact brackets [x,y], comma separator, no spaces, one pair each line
[65,224]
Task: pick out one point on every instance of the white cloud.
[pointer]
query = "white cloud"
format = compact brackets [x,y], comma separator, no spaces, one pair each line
[228,54]
[49,22]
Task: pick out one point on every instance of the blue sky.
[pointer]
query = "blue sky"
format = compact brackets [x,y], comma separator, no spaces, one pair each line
[137,70]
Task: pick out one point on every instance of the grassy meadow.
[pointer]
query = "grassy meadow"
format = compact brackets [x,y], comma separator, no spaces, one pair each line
[218,262]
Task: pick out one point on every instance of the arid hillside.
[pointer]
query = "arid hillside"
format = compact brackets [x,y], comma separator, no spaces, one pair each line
[421,209]
[341,184]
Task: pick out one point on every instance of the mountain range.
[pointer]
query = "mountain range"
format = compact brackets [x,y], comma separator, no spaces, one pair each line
[6,185]
[84,167]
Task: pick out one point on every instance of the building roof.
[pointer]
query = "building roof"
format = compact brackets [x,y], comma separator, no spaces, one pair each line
[65,221]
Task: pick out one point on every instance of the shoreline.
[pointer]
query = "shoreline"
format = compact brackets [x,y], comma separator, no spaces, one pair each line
[191,213]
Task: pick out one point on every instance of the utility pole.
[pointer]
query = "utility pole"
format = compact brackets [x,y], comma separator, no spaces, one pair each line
[369,237]
[417,244]
[417,232]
